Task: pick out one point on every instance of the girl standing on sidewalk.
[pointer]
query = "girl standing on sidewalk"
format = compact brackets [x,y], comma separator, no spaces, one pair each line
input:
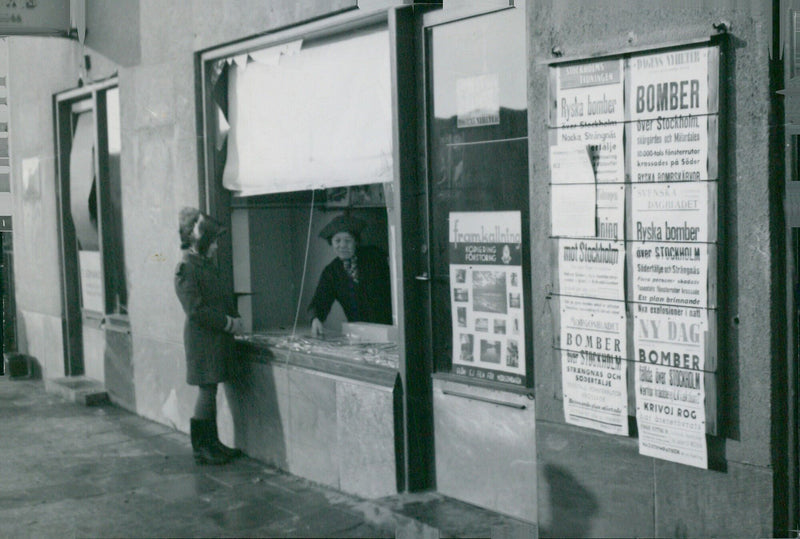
[211,323]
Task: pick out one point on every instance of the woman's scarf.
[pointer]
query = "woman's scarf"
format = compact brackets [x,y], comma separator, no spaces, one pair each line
[351,267]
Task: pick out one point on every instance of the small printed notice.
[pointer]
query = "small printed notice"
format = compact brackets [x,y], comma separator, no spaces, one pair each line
[574,210]
[91,281]
[591,268]
[478,100]
[487,296]
[593,364]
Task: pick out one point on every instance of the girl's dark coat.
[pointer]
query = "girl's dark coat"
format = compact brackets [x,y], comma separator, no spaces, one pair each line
[208,346]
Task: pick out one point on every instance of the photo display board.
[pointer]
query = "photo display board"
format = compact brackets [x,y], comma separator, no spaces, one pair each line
[633,148]
[486,295]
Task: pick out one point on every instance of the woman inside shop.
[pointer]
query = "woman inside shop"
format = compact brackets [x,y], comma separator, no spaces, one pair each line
[211,322]
[358,278]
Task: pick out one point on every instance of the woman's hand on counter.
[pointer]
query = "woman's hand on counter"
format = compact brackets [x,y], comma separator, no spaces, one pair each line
[238,326]
[317,329]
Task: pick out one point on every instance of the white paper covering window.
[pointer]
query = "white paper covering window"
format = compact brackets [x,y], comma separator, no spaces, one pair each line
[81,181]
[83,206]
[316,118]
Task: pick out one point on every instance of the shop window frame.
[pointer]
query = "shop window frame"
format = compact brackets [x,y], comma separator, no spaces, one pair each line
[414,370]
[442,367]
[217,200]
[114,313]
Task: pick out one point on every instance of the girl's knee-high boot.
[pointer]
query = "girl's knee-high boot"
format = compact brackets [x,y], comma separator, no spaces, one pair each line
[230,452]
[203,444]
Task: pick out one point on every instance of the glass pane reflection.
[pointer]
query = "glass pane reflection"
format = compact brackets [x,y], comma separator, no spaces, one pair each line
[478,148]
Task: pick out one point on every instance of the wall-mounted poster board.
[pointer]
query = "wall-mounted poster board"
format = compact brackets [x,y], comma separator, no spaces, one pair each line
[634,189]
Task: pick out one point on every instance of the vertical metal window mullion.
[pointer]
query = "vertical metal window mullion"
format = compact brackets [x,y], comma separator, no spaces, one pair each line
[101,167]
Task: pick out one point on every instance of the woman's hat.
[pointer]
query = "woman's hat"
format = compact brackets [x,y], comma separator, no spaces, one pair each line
[343,223]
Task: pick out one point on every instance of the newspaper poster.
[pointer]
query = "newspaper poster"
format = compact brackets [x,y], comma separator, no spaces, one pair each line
[591,268]
[670,249]
[593,364]
[488,313]
[670,345]
[669,107]
[670,261]
[589,94]
[587,148]
[589,113]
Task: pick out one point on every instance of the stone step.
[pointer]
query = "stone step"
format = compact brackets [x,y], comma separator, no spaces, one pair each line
[17,365]
[79,389]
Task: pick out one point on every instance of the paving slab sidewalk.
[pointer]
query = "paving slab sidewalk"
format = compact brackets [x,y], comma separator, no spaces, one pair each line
[69,470]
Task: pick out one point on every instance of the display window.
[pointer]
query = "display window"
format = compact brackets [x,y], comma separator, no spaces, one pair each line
[89,145]
[300,157]
[288,271]
[478,198]
[91,225]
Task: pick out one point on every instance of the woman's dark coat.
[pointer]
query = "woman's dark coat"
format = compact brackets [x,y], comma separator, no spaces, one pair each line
[206,304]
[369,300]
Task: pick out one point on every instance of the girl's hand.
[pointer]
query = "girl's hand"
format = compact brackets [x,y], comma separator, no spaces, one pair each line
[317,329]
